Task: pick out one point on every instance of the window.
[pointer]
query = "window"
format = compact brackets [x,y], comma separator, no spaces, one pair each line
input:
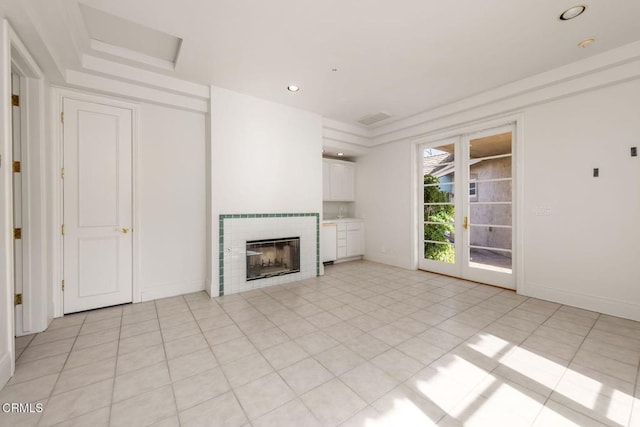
[473,187]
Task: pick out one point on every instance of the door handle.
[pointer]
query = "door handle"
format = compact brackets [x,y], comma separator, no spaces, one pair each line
[123,230]
[465,222]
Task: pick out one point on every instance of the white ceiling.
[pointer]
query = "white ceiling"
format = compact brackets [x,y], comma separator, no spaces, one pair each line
[401,57]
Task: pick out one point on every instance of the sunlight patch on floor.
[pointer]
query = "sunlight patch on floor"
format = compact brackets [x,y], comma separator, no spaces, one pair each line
[473,396]
[489,345]
[404,413]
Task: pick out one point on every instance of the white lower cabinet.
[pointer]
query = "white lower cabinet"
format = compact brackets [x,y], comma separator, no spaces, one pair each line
[350,239]
[328,240]
[354,242]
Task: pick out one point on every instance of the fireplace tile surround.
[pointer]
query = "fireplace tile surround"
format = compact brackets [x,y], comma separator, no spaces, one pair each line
[236,229]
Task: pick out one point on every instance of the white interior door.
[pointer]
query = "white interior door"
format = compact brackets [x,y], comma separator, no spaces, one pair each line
[98,264]
[467,209]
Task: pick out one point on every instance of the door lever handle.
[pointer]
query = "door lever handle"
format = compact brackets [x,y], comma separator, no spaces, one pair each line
[124,230]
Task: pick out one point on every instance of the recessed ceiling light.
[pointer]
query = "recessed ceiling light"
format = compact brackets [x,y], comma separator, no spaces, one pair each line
[572,12]
[586,42]
[340,154]
[293,88]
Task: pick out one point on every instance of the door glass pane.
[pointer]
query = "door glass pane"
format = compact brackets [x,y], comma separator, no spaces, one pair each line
[490,157]
[438,181]
[490,214]
[438,160]
[438,193]
[443,252]
[439,213]
[492,168]
[488,146]
[490,237]
[494,191]
[493,260]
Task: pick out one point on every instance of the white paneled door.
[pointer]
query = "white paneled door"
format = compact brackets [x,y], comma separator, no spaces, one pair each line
[98,264]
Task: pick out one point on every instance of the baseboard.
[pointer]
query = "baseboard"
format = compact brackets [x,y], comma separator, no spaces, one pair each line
[166,290]
[5,369]
[600,304]
[352,258]
[389,261]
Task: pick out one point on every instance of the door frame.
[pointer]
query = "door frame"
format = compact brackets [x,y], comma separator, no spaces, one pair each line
[15,56]
[34,207]
[518,148]
[58,94]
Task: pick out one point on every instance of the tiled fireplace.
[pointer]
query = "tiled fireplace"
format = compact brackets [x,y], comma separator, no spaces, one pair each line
[258,250]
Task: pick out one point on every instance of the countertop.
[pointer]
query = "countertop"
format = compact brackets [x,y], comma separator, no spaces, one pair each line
[337,220]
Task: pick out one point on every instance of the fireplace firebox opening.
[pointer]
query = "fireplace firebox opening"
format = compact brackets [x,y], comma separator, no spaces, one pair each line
[272,257]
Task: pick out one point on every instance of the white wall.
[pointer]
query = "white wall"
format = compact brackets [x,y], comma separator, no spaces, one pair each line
[585,253]
[265,158]
[171,196]
[384,198]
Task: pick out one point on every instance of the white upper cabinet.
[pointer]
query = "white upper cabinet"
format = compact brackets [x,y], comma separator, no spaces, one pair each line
[349,187]
[326,181]
[339,181]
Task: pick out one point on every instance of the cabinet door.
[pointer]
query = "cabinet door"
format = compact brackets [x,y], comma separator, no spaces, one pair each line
[329,242]
[326,181]
[337,178]
[349,183]
[355,244]
[341,242]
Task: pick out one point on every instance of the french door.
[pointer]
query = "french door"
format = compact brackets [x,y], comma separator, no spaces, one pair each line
[467,207]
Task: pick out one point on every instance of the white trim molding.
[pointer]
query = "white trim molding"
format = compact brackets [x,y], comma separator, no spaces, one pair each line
[608,68]
[7,342]
[34,208]
[350,139]
[170,289]
[136,92]
[611,67]
[6,370]
[144,77]
[613,307]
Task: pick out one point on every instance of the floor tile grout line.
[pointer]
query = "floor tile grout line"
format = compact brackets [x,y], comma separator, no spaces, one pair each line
[366,361]
[635,398]
[567,369]
[462,343]
[231,389]
[319,287]
[62,371]
[297,396]
[543,404]
[166,360]
[115,372]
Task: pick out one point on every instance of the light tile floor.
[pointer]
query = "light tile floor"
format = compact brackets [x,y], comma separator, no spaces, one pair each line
[364,345]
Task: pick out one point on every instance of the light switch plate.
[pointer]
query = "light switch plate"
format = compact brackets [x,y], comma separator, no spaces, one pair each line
[542,211]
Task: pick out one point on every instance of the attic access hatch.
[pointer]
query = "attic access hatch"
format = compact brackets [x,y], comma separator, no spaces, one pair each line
[119,37]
